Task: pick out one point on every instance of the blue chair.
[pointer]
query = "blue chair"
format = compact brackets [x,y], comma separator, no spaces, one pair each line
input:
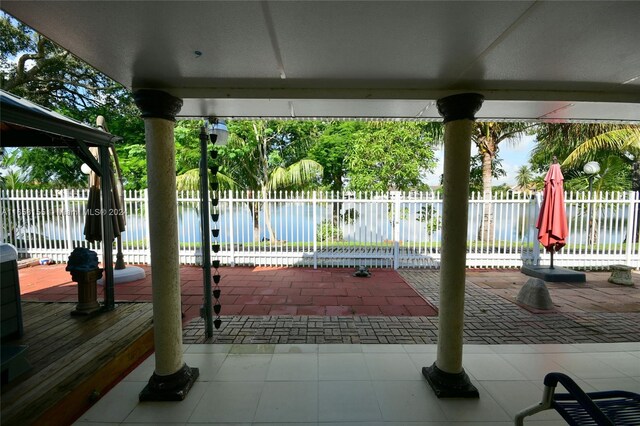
[580,408]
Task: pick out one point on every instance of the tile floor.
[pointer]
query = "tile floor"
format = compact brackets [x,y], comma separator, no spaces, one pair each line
[359,384]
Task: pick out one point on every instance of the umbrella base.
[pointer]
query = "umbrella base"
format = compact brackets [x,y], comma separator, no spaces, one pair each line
[128,274]
[554,275]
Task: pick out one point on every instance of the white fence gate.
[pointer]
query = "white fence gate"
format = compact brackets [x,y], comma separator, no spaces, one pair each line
[388,230]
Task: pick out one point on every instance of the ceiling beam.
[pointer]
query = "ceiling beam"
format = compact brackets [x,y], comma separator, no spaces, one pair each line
[339,93]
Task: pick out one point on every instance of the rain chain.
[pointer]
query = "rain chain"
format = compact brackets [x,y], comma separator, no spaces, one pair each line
[207,244]
[215,233]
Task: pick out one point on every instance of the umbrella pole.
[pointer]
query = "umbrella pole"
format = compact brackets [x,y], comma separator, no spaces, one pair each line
[551,267]
[107,229]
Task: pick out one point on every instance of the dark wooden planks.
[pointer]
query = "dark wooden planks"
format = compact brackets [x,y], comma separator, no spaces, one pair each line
[53,342]
[74,357]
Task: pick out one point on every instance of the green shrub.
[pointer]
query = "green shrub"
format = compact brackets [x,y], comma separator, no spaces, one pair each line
[350,216]
[326,231]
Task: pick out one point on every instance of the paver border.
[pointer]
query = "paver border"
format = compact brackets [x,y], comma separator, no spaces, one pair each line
[489,319]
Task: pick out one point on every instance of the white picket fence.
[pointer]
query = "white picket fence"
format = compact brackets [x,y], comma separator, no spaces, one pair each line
[314,229]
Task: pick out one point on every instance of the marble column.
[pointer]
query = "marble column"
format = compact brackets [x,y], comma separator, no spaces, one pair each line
[446,376]
[172,378]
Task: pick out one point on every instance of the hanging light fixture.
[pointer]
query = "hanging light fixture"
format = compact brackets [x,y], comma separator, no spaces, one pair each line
[85,169]
[591,168]
[218,131]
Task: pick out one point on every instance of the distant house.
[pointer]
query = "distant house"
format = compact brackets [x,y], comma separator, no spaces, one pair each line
[517,189]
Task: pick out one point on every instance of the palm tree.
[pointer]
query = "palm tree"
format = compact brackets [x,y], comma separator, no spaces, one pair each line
[616,147]
[488,136]
[589,141]
[524,179]
[623,141]
[253,161]
[11,176]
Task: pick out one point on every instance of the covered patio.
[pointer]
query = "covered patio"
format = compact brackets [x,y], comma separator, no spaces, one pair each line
[592,335]
[462,61]
[329,384]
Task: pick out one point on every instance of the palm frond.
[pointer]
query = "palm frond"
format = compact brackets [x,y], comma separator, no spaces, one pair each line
[621,140]
[304,171]
[278,178]
[297,174]
[226,182]
[190,181]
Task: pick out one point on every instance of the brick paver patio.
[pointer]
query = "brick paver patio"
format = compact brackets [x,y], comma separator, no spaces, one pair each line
[592,312]
[595,295]
[257,291]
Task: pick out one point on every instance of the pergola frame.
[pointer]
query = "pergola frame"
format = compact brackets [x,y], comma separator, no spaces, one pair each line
[25,124]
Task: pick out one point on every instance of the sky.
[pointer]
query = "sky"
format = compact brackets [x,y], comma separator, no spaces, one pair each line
[513,154]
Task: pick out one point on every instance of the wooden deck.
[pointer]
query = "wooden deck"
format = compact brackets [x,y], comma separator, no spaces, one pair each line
[74,359]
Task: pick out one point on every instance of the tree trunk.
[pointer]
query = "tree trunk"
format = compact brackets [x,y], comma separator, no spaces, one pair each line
[593,223]
[254,209]
[267,217]
[264,178]
[485,231]
[337,206]
[593,231]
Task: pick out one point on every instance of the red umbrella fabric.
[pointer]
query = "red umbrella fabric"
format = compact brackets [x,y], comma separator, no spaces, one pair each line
[552,221]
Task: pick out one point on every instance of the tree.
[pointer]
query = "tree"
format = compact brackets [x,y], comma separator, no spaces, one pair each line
[50,168]
[488,136]
[621,143]
[263,168]
[332,149]
[619,153]
[36,69]
[391,156]
[615,147]
[295,138]
[11,177]
[524,178]
[254,160]
[476,173]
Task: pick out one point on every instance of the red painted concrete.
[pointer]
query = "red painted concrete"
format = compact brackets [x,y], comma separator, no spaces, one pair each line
[257,291]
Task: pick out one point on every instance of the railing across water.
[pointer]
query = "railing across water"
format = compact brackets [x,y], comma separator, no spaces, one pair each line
[315,229]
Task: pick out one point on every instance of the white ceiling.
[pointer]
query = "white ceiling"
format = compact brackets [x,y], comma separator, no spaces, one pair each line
[390,59]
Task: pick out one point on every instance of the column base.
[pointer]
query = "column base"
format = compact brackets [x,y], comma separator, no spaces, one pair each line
[173,387]
[449,385]
[86,309]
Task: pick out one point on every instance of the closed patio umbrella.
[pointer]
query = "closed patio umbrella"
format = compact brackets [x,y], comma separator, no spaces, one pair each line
[93,225]
[552,221]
